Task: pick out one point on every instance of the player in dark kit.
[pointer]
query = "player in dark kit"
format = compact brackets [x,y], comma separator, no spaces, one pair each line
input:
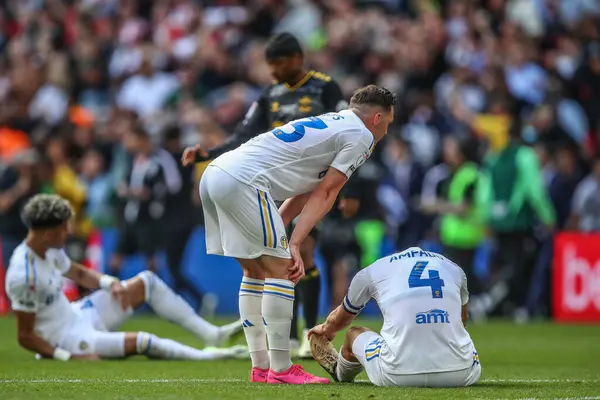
[296,93]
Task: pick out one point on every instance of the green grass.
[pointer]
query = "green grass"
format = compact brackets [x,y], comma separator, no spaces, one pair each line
[540,360]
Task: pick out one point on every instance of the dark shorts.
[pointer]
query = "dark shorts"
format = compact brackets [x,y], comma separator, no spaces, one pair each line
[338,242]
[314,233]
[139,238]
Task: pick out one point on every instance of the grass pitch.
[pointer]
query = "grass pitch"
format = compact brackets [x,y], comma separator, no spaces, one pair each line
[540,360]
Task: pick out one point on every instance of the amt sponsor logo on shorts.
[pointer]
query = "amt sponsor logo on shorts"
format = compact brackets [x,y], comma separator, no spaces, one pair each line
[433,316]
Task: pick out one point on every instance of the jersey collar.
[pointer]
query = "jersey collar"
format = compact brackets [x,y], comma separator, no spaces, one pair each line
[301,82]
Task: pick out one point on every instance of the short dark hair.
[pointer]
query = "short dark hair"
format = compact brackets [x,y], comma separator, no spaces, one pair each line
[375,96]
[172,132]
[139,131]
[47,211]
[282,45]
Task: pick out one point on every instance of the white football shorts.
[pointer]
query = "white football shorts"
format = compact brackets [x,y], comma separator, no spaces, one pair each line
[241,221]
[91,333]
[367,347]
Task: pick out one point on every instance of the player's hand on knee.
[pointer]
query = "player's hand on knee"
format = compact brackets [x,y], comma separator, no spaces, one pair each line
[120,294]
[89,357]
[321,331]
[296,270]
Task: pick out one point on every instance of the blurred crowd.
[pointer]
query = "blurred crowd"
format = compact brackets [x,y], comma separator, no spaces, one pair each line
[494,147]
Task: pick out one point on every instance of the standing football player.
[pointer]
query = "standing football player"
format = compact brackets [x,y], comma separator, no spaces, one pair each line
[296,93]
[305,164]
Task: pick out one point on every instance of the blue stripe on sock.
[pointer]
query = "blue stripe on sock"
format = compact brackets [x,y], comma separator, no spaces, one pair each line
[245,282]
[251,291]
[290,287]
[149,344]
[285,296]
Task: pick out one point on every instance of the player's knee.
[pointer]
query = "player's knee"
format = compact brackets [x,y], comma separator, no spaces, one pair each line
[274,267]
[151,281]
[353,333]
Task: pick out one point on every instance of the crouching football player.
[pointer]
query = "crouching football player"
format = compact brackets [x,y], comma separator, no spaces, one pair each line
[423,343]
[49,325]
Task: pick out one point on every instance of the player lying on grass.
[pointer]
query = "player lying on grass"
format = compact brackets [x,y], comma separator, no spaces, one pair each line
[49,325]
[306,163]
[423,298]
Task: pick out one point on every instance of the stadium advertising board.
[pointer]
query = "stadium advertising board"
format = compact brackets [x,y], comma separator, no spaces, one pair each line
[576,277]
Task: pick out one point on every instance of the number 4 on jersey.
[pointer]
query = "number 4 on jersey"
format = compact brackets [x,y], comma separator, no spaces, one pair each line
[434,281]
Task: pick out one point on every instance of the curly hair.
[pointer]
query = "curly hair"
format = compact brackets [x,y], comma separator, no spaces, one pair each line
[46,211]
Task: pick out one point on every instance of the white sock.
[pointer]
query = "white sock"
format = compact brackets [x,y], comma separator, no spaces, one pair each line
[251,295]
[170,306]
[305,335]
[153,346]
[277,309]
[346,370]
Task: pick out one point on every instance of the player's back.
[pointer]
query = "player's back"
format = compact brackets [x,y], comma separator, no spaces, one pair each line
[34,285]
[421,295]
[292,159]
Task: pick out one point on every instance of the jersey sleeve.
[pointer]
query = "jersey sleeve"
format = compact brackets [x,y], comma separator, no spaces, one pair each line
[63,261]
[255,122]
[333,98]
[22,297]
[464,291]
[359,293]
[352,154]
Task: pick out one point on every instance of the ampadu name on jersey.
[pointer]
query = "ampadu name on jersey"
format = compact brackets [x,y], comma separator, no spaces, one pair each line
[414,253]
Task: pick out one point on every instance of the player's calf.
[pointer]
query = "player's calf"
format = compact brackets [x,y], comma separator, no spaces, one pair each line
[155,347]
[353,333]
[172,307]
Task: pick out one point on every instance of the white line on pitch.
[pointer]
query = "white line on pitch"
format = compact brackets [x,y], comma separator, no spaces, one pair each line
[233,380]
[539,380]
[565,398]
[120,380]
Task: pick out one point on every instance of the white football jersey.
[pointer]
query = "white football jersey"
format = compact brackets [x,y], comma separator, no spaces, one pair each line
[34,285]
[293,159]
[420,295]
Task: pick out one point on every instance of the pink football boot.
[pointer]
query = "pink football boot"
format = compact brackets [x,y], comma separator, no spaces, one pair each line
[295,375]
[259,375]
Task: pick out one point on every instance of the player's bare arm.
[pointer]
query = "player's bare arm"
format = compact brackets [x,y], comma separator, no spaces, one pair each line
[27,337]
[31,341]
[320,202]
[465,314]
[292,207]
[337,320]
[91,279]
[255,121]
